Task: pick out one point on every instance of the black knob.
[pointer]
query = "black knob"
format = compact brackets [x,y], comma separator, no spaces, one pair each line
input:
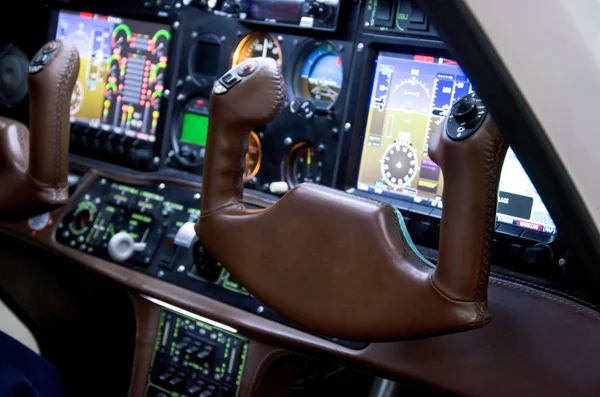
[465,110]
[538,255]
[315,10]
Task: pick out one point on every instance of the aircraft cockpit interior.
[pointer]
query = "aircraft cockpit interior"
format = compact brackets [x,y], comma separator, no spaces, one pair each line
[255,198]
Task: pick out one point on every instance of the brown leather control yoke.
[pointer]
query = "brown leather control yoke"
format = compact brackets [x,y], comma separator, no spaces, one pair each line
[34,162]
[338,264]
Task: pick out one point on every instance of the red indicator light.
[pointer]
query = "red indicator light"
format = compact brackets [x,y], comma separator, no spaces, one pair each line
[446,61]
[338,61]
[86,15]
[200,103]
[424,58]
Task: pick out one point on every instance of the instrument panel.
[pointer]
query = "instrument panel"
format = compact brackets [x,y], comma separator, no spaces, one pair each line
[366,85]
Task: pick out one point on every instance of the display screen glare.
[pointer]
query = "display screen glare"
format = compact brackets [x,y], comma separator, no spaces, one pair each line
[194,129]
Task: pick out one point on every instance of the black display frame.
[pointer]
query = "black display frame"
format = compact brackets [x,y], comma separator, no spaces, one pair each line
[351,150]
[170,20]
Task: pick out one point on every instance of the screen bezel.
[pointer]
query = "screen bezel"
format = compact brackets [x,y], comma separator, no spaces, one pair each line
[354,148]
[165,109]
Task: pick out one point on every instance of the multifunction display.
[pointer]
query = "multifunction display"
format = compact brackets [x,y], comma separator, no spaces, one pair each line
[122,75]
[410,97]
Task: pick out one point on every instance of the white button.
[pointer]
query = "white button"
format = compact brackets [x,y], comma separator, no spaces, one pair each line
[279,187]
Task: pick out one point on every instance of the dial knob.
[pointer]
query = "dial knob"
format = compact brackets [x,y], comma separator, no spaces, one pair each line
[465,110]
[539,255]
[121,247]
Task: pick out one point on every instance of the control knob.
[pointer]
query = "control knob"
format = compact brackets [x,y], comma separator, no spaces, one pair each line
[465,110]
[315,10]
[538,255]
[122,246]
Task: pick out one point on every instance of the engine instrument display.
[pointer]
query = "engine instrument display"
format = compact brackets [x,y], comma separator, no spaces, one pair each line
[256,45]
[122,75]
[411,95]
[322,74]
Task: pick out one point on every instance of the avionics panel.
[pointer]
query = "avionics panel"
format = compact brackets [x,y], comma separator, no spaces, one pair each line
[195,356]
[410,96]
[160,219]
[122,75]
[311,14]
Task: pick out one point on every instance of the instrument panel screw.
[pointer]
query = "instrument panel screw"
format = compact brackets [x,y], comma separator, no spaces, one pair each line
[177,5]
[161,274]
[295,41]
[194,35]
[341,48]
[260,309]
[181,269]
[280,38]
[367,24]
[176,25]
[103,181]
[156,160]
[287,141]
[360,46]
[180,97]
[238,33]
[347,127]
[197,196]
[161,186]
[223,38]
[166,93]
[562,262]
[86,197]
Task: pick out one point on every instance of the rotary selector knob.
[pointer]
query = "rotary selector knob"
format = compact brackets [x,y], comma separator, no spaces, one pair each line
[122,246]
[466,116]
[465,111]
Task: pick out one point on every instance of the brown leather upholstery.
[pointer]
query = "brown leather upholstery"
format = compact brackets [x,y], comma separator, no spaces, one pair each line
[33,165]
[338,264]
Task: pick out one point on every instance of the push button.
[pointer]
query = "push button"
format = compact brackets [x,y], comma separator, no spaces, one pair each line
[229,80]
[247,68]
[51,47]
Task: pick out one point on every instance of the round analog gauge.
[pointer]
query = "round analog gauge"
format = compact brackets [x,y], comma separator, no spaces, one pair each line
[399,165]
[304,164]
[256,45]
[322,74]
[253,157]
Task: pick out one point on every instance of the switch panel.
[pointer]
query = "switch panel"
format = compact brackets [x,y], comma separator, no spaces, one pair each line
[397,16]
[193,358]
[154,226]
